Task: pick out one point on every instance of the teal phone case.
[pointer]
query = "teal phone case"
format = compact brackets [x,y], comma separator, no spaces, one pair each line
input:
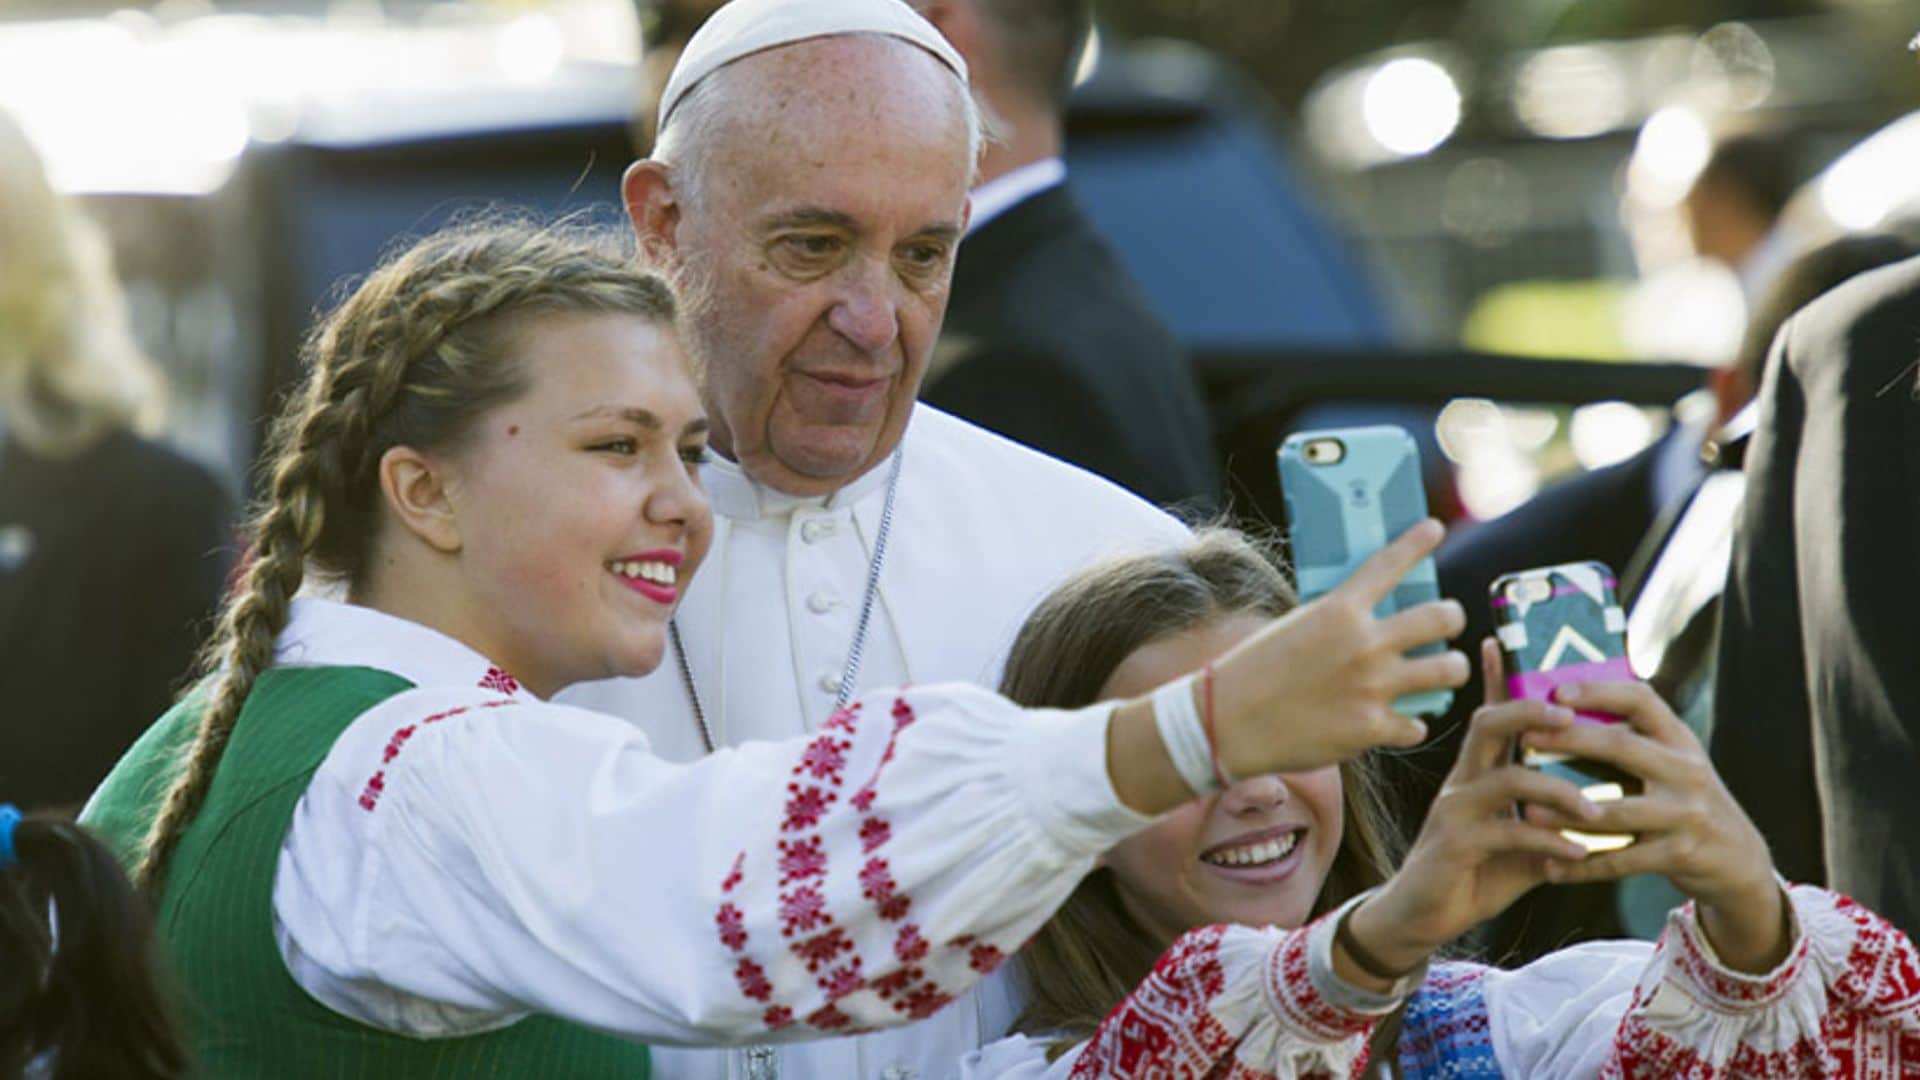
[1340,513]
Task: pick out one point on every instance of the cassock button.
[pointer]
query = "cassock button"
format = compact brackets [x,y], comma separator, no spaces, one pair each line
[830,683]
[815,530]
[820,603]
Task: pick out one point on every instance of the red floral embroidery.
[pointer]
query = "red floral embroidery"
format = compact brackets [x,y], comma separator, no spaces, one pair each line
[753,980]
[825,757]
[822,949]
[909,946]
[377,783]
[499,682]
[805,807]
[895,981]
[802,909]
[876,880]
[1295,998]
[828,1019]
[734,875]
[733,931]
[843,718]
[842,980]
[894,908]
[802,859]
[777,1017]
[984,958]
[1165,1028]
[873,833]
[1871,1029]
[925,1000]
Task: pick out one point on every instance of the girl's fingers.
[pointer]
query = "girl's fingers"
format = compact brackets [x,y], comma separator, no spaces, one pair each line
[1497,791]
[1447,670]
[1638,814]
[1635,702]
[1645,857]
[1493,728]
[1423,624]
[1510,837]
[1617,745]
[1380,574]
[1493,672]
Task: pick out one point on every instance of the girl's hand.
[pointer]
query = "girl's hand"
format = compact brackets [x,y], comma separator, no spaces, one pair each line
[1473,857]
[1688,826]
[1317,687]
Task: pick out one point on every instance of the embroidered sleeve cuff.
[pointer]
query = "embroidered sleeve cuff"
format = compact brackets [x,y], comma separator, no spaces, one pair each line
[1059,762]
[1335,991]
[1696,964]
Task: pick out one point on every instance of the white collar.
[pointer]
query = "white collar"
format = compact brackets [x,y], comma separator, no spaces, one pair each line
[1010,189]
[738,497]
[328,633]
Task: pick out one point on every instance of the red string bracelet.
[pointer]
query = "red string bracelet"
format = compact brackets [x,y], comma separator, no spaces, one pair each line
[1206,724]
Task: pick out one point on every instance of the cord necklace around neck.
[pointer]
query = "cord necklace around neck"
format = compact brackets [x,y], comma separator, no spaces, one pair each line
[850,675]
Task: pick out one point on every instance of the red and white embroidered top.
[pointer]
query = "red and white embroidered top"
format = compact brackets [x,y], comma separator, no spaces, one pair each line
[468,854]
[1243,1004]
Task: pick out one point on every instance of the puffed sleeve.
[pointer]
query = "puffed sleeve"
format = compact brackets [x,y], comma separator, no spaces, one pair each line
[460,861]
[1232,1000]
[1844,1003]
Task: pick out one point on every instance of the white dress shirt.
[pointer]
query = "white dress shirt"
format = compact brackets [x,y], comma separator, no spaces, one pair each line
[983,529]
[467,854]
[1013,187]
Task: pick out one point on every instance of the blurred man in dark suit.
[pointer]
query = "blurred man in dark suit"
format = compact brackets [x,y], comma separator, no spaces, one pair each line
[1048,340]
[1817,715]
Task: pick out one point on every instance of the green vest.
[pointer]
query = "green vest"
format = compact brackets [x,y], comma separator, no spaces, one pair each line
[249,1018]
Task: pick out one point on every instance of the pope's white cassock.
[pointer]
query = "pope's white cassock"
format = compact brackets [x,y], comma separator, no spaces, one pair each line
[983,528]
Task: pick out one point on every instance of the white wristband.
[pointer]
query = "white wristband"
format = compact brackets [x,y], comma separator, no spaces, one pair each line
[1185,738]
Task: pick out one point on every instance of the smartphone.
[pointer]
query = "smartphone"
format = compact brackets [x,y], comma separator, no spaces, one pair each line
[1348,492]
[1558,625]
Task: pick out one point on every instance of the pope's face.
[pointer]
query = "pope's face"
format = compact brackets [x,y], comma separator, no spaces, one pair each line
[817,260]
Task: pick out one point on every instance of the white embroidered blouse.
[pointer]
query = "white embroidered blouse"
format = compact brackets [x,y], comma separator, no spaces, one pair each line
[468,854]
[1265,1004]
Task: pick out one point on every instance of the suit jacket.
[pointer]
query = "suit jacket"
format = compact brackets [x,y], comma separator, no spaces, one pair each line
[1817,708]
[1049,342]
[110,564]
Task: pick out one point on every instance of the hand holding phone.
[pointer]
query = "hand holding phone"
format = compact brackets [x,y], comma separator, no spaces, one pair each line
[1349,491]
[1561,626]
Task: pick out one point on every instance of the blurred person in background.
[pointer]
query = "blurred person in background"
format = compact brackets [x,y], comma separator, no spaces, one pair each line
[1048,340]
[1735,212]
[113,548]
[81,993]
[1816,719]
[1614,514]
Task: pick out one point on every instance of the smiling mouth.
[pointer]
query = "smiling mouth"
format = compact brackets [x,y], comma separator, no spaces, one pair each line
[656,579]
[1259,852]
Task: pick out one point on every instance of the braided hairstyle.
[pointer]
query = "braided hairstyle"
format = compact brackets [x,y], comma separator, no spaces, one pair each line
[413,357]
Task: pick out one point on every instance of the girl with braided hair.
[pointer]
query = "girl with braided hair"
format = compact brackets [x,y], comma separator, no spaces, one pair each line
[378,849]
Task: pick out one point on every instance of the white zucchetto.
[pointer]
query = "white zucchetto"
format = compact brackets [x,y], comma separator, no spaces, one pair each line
[744,27]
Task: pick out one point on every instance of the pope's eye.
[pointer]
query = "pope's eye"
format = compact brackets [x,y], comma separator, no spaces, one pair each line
[617,446]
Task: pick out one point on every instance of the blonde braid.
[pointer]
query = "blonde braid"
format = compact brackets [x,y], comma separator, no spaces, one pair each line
[285,531]
[412,357]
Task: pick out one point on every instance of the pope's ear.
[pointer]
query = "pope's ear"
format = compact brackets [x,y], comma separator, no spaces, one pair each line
[653,206]
[415,489]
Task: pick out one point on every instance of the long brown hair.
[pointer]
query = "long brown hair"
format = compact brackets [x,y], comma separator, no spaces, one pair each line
[87,991]
[413,357]
[1092,953]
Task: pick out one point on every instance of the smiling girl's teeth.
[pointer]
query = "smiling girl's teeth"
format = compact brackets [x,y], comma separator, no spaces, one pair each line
[659,573]
[1255,854]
